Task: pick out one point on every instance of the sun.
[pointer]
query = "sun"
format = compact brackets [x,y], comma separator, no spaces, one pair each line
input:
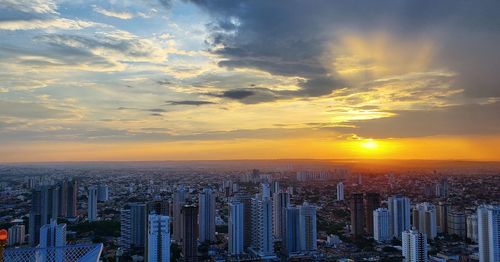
[369,144]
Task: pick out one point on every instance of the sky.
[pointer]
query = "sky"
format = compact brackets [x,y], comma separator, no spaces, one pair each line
[230,79]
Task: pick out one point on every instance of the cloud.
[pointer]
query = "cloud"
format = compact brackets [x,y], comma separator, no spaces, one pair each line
[103,51]
[115,46]
[237,94]
[189,103]
[469,119]
[248,96]
[164,82]
[165,3]
[119,15]
[30,6]
[56,23]
[157,110]
[294,38]
[30,110]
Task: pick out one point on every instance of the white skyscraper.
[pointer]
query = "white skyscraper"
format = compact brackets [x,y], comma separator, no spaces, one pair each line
[425,219]
[158,238]
[53,235]
[399,215]
[275,187]
[381,230]
[236,228]
[340,191]
[206,214]
[488,221]
[472,228]
[262,224]
[92,204]
[17,235]
[414,246]
[308,230]
[103,193]
[266,190]
[281,200]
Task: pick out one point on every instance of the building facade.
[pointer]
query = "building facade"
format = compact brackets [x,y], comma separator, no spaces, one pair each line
[414,246]
[381,232]
[158,238]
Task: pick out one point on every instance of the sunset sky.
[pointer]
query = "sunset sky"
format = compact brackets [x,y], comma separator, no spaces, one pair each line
[202,79]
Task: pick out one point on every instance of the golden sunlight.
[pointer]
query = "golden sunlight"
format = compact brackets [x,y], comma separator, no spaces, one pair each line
[369,144]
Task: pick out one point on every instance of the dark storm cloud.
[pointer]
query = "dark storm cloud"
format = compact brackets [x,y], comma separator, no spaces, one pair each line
[289,37]
[189,103]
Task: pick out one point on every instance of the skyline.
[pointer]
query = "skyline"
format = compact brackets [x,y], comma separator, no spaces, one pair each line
[195,80]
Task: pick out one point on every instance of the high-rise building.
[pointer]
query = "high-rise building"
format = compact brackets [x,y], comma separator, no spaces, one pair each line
[414,246]
[472,229]
[357,214]
[262,224]
[281,201]
[236,228]
[92,203]
[442,218]
[207,215]
[158,238]
[428,190]
[17,235]
[291,231]
[399,215]
[71,198]
[63,198]
[424,219]
[456,223]
[442,188]
[133,226]
[179,199]
[103,193]
[157,207]
[266,190]
[488,221]
[340,191]
[246,200]
[372,202]
[138,218]
[44,207]
[53,235]
[125,229]
[189,217]
[275,187]
[381,232]
[308,228]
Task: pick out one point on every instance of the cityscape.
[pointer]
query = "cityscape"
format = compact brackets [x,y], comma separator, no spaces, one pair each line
[249,130]
[283,211]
